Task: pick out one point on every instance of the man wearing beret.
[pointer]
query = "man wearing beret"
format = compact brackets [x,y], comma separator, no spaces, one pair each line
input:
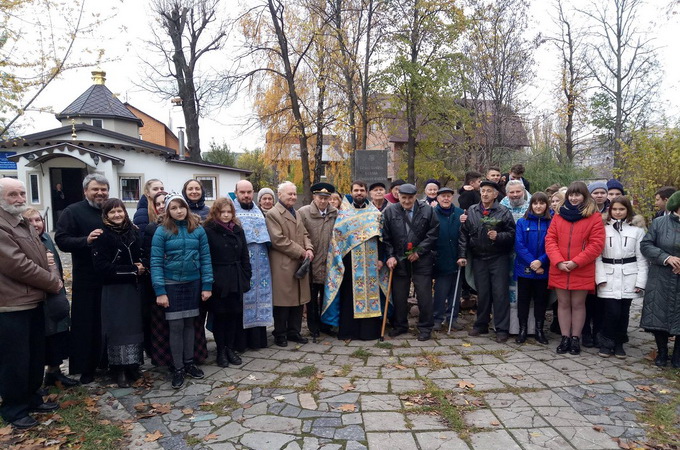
[410,235]
[318,218]
[486,240]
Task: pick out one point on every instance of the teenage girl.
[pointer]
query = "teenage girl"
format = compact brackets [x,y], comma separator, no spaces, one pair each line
[181,273]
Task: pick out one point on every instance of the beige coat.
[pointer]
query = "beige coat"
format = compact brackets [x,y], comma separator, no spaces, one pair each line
[289,241]
[320,229]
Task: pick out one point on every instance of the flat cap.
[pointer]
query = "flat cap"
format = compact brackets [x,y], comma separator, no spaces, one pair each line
[375,185]
[325,189]
[445,190]
[489,183]
[396,183]
[407,189]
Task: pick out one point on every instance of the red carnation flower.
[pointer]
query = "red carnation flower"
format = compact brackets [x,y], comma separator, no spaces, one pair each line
[409,246]
[486,212]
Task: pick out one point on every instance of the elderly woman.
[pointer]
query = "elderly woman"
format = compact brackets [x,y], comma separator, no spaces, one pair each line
[265,199]
[661,306]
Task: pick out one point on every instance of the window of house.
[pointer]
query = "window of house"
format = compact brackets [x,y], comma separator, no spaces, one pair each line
[99,123]
[209,186]
[130,188]
[34,185]
[324,170]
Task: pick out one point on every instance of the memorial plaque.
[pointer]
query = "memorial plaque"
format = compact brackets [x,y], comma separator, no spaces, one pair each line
[371,166]
[6,164]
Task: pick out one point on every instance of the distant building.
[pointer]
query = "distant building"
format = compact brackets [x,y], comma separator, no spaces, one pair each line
[98,133]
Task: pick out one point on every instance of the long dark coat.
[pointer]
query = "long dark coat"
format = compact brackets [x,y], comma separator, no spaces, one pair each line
[661,306]
[231,267]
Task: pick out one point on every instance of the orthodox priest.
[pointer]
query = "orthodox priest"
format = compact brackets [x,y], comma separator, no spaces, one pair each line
[353,269]
[257,302]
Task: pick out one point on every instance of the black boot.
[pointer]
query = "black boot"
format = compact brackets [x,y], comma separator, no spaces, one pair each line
[177,378]
[222,360]
[54,378]
[540,334]
[675,361]
[132,372]
[121,380]
[233,357]
[661,339]
[575,347]
[565,345]
[522,335]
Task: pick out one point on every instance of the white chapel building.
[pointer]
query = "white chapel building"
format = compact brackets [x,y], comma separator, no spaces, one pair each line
[98,133]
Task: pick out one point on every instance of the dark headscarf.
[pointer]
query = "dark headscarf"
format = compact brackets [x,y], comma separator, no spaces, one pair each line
[116,228]
[193,206]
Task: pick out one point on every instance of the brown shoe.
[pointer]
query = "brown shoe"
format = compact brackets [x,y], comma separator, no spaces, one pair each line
[501,337]
[477,332]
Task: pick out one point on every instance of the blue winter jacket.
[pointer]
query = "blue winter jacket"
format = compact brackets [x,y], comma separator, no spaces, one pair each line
[141,218]
[180,257]
[530,246]
[447,242]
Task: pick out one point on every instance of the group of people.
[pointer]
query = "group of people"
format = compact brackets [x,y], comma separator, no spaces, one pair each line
[154,282]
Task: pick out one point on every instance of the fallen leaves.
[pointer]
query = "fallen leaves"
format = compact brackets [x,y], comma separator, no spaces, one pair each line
[419,399]
[210,437]
[465,384]
[187,411]
[146,410]
[642,387]
[153,437]
[598,428]
[467,344]
[349,387]
[6,430]
[347,407]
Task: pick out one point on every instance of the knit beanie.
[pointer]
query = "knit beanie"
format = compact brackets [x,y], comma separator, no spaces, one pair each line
[175,196]
[265,191]
[615,184]
[597,185]
[674,202]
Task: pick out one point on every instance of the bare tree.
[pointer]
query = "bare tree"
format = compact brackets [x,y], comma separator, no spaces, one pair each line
[187,30]
[574,77]
[500,66]
[624,64]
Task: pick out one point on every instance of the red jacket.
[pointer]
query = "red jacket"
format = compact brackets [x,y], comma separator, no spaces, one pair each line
[581,242]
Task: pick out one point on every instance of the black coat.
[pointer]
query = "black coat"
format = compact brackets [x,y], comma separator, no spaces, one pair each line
[231,263]
[75,224]
[473,240]
[423,235]
[114,256]
[468,198]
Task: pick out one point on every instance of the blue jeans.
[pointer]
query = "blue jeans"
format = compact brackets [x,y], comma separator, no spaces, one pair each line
[444,295]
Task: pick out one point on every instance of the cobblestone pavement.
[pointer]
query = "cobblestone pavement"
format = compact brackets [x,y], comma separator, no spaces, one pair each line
[452,392]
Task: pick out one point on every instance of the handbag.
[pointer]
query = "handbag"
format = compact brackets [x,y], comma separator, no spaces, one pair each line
[303,269]
[57,306]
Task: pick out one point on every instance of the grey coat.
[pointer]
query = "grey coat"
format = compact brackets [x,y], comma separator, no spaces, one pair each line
[320,229]
[661,306]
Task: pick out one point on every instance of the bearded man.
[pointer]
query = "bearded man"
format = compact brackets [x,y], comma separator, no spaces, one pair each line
[517,198]
[257,302]
[79,225]
[27,273]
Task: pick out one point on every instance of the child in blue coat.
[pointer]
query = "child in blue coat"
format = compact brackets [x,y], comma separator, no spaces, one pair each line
[181,273]
[531,266]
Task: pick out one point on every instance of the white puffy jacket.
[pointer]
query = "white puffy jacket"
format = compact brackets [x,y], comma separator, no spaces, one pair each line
[621,280]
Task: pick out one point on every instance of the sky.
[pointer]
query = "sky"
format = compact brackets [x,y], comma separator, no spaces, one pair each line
[122,37]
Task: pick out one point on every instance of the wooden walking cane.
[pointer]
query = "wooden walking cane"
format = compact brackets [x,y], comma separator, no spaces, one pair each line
[387,304]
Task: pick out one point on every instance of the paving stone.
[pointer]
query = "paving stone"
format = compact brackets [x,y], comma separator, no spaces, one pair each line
[384,421]
[265,440]
[328,422]
[561,416]
[229,431]
[307,414]
[519,417]
[391,441]
[352,419]
[173,443]
[307,401]
[350,432]
[197,389]
[587,437]
[118,393]
[203,417]
[273,424]
[293,446]
[256,410]
[371,386]
[244,397]
[401,386]
[325,432]
[505,400]
[441,440]
[290,411]
[221,446]
[387,402]
[428,422]
[306,426]
[494,440]
[354,445]
[347,397]
[481,418]
[540,438]
[544,398]
[310,443]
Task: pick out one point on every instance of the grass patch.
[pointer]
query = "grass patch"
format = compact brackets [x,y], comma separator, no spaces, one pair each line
[222,408]
[344,370]
[361,353]
[661,416]
[312,386]
[305,372]
[77,424]
[433,360]
[192,440]
[387,345]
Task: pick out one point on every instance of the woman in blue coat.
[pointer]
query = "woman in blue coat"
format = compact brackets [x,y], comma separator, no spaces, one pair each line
[531,266]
